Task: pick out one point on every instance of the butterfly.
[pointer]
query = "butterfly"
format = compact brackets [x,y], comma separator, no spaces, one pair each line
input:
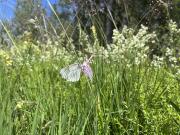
[72,72]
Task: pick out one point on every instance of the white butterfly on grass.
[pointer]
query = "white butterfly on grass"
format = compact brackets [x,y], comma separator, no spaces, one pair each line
[72,72]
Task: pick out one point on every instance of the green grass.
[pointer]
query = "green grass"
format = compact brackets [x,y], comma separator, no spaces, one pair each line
[120,100]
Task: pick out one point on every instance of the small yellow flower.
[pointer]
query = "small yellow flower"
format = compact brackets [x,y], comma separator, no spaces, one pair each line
[5,58]
[93,28]
[9,62]
[19,105]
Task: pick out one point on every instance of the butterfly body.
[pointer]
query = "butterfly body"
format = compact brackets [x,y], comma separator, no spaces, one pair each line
[86,69]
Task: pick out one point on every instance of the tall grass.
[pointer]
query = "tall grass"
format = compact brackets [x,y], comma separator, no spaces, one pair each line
[120,100]
[123,98]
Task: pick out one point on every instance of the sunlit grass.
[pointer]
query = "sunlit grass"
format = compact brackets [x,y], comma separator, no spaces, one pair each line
[124,97]
[120,100]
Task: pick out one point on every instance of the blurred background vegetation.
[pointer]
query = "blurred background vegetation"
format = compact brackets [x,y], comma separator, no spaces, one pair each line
[105,15]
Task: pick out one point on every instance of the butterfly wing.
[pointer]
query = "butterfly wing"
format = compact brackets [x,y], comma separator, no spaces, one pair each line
[87,70]
[71,73]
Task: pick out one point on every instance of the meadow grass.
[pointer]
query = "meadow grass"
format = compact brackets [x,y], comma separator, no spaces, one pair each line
[119,100]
